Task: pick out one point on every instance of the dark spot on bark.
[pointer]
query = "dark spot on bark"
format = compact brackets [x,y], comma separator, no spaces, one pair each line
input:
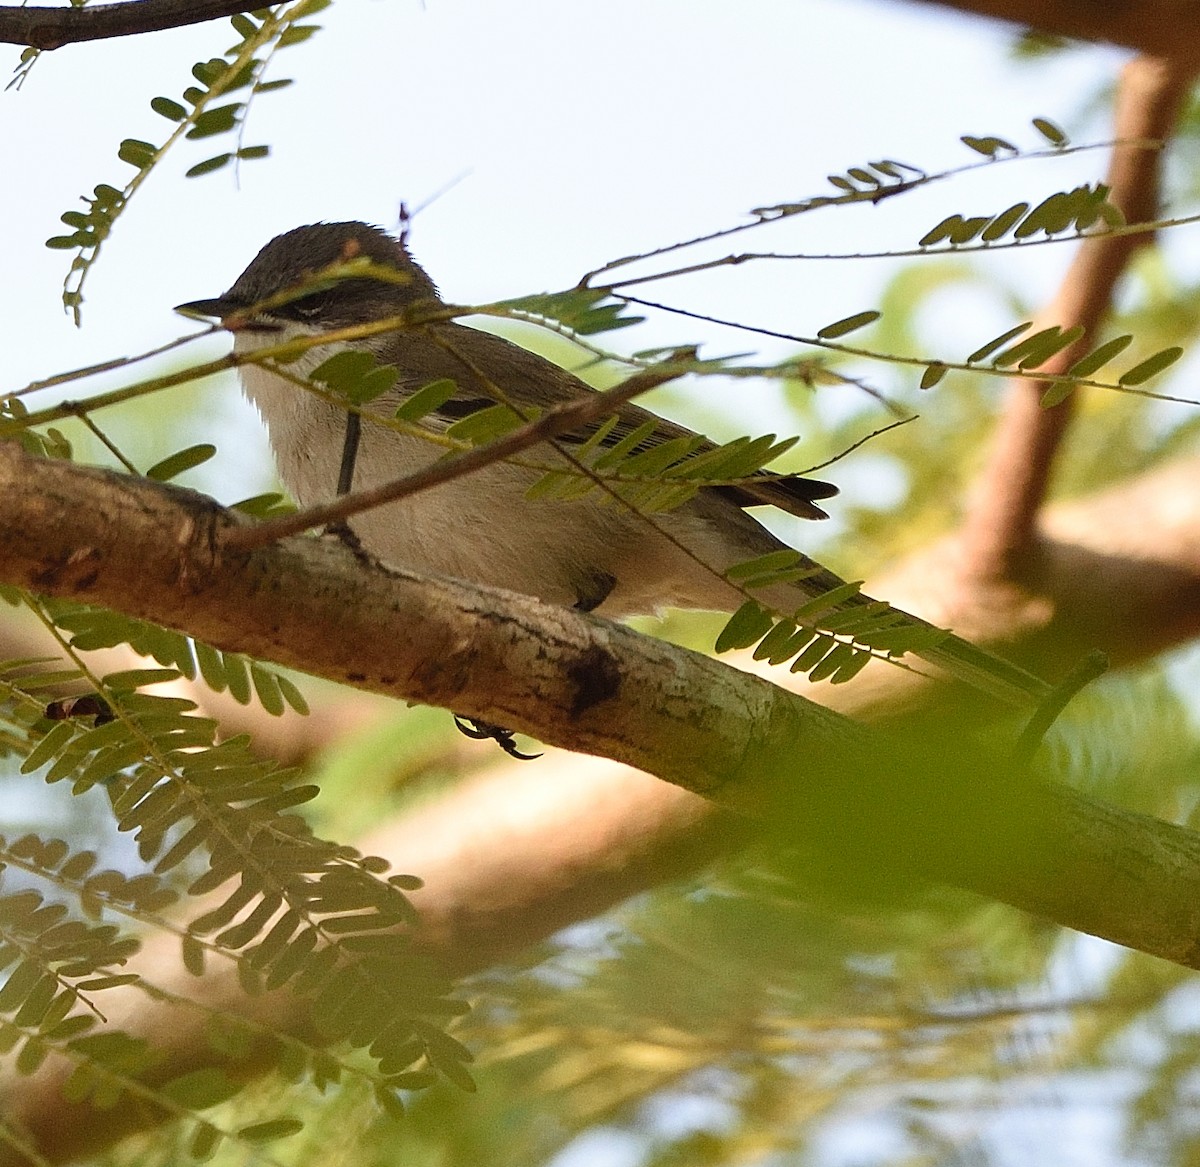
[85,583]
[596,678]
[356,678]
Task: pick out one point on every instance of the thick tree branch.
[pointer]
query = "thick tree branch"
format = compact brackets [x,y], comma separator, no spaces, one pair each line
[51,28]
[999,528]
[568,678]
[566,838]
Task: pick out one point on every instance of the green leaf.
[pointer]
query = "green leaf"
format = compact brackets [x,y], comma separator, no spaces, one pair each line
[243,25]
[265,1132]
[207,166]
[775,640]
[98,984]
[266,685]
[765,565]
[49,747]
[250,152]
[955,230]
[343,368]
[426,400]
[1056,394]
[850,669]
[1151,367]
[933,373]
[128,680]
[193,954]
[200,1088]
[863,176]
[582,310]
[813,654]
[839,657]
[1004,222]
[136,153]
[1050,132]
[1087,365]
[830,599]
[212,667]
[176,464]
[490,423]
[169,109]
[260,506]
[218,120]
[847,325]
[355,375]
[297,34]
[989,147]
[1040,347]
[986,350]
[237,677]
[291,694]
[745,627]
[204,1142]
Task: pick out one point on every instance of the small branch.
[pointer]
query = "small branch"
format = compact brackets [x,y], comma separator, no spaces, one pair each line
[999,528]
[51,28]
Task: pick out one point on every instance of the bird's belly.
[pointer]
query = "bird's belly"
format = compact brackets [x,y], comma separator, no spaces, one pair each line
[479,527]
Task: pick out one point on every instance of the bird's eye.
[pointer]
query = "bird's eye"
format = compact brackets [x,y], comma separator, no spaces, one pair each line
[307,307]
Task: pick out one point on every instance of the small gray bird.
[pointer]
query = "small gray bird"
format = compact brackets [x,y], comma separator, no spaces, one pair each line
[597,556]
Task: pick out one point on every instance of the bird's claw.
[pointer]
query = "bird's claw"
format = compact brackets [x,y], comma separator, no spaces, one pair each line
[478,730]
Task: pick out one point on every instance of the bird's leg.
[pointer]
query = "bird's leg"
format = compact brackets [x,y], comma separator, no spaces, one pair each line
[349,452]
[478,730]
[341,529]
[594,591]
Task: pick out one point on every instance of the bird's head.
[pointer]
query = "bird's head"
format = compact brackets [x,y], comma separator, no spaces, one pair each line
[293,263]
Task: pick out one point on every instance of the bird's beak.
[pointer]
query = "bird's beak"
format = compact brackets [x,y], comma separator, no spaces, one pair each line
[219,307]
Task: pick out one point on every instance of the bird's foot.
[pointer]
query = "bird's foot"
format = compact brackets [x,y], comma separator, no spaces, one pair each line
[472,727]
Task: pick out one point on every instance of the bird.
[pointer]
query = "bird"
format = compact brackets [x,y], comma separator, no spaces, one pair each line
[588,552]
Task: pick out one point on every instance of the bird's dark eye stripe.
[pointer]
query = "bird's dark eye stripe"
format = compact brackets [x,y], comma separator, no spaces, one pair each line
[455,410]
[303,309]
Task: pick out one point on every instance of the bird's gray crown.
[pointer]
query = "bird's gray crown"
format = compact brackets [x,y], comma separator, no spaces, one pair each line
[292,258]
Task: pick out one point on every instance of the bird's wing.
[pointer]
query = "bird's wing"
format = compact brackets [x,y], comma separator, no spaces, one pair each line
[458,353]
